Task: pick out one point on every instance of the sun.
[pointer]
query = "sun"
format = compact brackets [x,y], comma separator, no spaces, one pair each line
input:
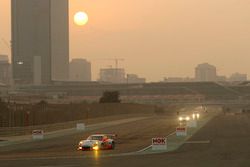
[81,18]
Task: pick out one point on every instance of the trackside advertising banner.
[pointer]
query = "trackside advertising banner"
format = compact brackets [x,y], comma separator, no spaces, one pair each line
[159,143]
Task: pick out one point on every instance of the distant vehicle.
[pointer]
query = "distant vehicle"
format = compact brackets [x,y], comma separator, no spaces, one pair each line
[184,118]
[196,115]
[98,142]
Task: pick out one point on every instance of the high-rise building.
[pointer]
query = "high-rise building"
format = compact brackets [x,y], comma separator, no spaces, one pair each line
[79,70]
[205,72]
[112,75]
[4,70]
[40,41]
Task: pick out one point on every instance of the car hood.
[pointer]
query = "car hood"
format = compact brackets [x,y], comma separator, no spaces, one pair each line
[89,142]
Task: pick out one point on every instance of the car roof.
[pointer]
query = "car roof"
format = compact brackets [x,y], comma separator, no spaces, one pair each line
[98,135]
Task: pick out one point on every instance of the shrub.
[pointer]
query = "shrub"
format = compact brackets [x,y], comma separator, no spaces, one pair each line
[110,97]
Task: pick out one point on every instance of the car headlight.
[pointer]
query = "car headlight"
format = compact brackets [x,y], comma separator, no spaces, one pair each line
[95,148]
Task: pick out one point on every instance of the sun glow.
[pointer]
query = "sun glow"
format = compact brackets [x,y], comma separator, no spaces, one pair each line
[81,18]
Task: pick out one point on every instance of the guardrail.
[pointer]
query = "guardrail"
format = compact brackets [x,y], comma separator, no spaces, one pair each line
[17,131]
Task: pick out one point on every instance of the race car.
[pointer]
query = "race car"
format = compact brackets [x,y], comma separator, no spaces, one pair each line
[184,118]
[98,142]
[196,115]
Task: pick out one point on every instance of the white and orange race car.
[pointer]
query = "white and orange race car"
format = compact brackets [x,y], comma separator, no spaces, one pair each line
[98,142]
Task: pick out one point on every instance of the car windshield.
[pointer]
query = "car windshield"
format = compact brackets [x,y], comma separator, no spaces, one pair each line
[95,138]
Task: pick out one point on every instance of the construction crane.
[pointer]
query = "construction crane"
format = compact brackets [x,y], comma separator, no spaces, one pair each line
[116,61]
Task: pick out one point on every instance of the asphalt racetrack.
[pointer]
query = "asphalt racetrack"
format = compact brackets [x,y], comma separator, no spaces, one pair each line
[229,136]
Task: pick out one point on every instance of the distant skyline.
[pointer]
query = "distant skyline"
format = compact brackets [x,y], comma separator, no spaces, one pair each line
[157,38]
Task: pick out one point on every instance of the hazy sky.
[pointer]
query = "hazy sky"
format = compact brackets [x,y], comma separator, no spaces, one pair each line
[158,38]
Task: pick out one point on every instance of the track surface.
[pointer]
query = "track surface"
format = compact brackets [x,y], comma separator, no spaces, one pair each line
[229,147]
[132,136]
